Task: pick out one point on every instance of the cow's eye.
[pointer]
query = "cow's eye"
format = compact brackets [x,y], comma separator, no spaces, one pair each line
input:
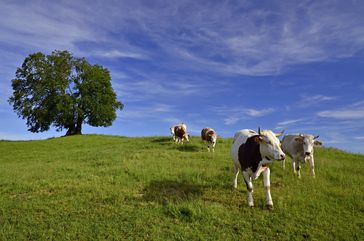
[269,142]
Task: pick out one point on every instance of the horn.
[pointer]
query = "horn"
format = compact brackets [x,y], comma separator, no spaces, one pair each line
[301,135]
[259,131]
[279,133]
[316,137]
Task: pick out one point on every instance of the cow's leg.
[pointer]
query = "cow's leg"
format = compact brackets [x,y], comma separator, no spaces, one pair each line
[249,187]
[298,168]
[284,164]
[208,147]
[213,147]
[312,166]
[266,181]
[236,174]
[294,165]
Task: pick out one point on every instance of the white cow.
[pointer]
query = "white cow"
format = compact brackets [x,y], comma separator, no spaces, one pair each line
[300,148]
[252,153]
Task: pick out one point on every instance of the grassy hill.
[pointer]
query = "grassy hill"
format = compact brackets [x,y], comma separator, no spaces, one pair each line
[117,188]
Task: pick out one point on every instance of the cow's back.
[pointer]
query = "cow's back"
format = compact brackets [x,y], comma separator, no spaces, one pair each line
[290,146]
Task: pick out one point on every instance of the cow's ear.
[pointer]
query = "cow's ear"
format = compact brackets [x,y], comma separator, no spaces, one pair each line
[298,139]
[318,143]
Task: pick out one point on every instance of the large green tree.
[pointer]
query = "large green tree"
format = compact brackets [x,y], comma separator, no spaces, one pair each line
[63,91]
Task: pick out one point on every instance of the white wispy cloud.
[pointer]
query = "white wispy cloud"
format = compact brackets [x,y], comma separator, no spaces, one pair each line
[259,112]
[308,32]
[32,25]
[311,100]
[232,115]
[228,41]
[354,111]
[154,111]
[231,120]
[342,114]
[286,123]
[119,54]
[360,138]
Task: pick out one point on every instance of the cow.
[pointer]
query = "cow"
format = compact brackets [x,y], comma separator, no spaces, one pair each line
[172,132]
[179,133]
[209,136]
[300,148]
[252,152]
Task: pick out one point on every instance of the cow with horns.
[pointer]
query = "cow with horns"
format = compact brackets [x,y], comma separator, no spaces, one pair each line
[252,153]
[300,148]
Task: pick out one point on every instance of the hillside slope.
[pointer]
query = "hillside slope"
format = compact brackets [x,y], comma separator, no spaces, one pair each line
[95,187]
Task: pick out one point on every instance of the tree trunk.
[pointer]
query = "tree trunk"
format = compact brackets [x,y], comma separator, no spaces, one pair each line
[74,129]
[71,130]
[79,127]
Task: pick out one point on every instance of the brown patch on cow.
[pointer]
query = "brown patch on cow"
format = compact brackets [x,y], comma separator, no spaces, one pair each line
[257,139]
[179,131]
[207,134]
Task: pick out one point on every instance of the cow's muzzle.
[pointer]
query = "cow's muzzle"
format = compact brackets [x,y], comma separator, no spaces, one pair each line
[282,157]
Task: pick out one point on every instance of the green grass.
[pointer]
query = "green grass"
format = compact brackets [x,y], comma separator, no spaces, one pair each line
[94,187]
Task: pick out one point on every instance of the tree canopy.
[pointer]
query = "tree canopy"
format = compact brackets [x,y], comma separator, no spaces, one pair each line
[63,91]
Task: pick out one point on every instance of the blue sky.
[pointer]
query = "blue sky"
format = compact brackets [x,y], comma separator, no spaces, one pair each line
[229,65]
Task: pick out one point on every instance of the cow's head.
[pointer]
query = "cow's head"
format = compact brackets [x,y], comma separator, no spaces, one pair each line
[308,141]
[270,146]
[211,136]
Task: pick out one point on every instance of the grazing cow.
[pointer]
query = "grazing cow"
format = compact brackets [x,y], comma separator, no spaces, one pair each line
[172,132]
[252,152]
[300,148]
[209,136]
[180,133]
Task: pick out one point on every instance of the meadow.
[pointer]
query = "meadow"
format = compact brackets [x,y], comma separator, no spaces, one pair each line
[94,187]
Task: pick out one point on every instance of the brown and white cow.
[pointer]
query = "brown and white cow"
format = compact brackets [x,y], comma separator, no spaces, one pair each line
[179,133]
[252,152]
[300,148]
[208,135]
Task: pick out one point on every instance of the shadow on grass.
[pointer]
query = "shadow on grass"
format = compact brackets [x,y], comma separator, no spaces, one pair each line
[162,140]
[171,191]
[188,148]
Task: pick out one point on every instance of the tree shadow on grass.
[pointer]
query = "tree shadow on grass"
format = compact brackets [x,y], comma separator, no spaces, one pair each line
[168,191]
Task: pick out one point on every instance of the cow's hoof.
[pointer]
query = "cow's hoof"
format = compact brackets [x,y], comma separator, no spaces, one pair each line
[251,205]
[270,207]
